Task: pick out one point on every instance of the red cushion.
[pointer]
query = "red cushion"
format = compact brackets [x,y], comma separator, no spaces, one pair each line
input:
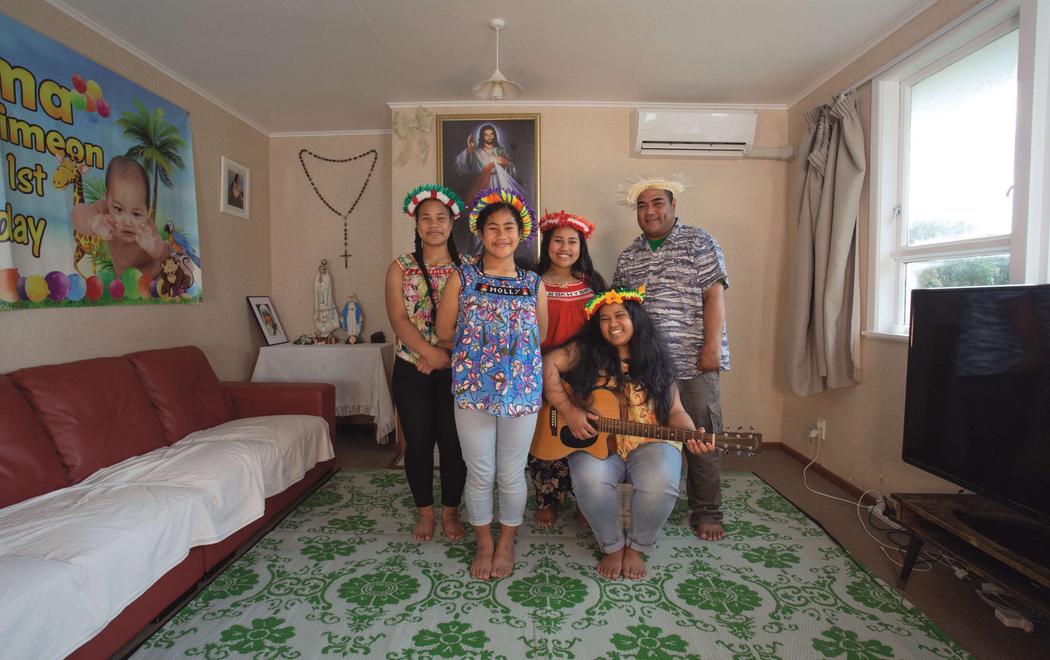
[96,412]
[185,390]
[29,464]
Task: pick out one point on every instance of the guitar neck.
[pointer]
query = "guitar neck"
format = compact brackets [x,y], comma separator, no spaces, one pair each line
[623,427]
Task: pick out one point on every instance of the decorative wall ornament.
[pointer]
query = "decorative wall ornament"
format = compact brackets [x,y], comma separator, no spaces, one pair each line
[345,216]
[409,127]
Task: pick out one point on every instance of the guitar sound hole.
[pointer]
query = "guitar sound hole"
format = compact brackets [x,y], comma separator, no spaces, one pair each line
[569,440]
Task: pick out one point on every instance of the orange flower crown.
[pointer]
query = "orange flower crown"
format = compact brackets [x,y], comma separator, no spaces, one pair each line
[550,221]
[613,296]
[509,197]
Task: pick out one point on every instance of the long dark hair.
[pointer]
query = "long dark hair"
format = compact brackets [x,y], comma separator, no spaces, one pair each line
[583,269]
[418,254]
[483,217]
[650,364]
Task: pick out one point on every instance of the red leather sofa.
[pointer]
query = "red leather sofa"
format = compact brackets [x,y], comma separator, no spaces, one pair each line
[59,424]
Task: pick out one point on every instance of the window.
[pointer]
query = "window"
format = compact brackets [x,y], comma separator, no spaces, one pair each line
[943,182]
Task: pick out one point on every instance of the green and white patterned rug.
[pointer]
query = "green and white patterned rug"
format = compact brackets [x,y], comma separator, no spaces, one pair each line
[341,576]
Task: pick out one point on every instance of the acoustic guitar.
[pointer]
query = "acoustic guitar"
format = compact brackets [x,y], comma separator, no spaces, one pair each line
[553,439]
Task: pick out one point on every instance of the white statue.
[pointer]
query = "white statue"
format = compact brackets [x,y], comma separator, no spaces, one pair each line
[353,318]
[326,317]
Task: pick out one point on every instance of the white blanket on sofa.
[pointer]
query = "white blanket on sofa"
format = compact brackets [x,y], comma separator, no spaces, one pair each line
[72,559]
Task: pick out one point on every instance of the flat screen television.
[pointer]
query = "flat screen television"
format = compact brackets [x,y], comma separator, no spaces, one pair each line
[977,406]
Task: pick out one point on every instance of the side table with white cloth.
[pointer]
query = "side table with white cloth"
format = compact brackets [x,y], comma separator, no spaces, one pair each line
[356,370]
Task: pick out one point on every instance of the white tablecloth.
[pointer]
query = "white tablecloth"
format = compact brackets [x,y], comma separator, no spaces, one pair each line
[356,370]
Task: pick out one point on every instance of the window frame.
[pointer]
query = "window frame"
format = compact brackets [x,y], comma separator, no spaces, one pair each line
[1026,244]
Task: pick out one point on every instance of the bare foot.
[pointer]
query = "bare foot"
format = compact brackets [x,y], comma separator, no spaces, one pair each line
[503,557]
[424,529]
[546,517]
[711,531]
[451,526]
[611,565]
[633,564]
[481,567]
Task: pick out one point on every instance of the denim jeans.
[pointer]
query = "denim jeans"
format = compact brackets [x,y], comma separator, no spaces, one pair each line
[495,450]
[654,471]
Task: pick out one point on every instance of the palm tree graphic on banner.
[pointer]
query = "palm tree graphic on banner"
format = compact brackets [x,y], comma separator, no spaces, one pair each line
[158,146]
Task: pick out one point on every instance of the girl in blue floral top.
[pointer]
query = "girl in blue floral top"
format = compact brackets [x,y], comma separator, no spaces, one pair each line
[494,315]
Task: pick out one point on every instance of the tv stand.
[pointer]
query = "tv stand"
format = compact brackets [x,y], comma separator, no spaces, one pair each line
[991,541]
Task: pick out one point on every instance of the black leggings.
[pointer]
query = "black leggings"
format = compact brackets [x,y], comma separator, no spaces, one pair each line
[426,410]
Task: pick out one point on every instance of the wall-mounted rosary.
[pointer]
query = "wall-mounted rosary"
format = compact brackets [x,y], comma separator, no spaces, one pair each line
[345,216]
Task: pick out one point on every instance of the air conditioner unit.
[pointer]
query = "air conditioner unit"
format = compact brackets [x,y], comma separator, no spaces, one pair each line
[722,133]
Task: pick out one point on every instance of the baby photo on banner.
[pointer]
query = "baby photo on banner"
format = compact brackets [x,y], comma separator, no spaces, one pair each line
[97,202]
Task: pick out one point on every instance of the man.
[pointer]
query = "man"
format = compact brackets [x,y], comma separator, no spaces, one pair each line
[684,271]
[489,162]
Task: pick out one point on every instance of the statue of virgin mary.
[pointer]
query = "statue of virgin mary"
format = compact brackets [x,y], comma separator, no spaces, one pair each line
[326,316]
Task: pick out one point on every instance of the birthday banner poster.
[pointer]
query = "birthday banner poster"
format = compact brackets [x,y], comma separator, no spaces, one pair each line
[97,197]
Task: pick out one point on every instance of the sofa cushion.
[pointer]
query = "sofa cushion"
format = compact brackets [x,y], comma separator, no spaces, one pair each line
[96,412]
[29,464]
[184,389]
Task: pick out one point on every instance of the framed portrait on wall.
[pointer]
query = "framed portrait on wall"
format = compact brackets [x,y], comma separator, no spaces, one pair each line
[265,314]
[234,188]
[476,152]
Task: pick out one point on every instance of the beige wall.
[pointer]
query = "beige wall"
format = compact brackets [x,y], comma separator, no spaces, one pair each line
[305,230]
[585,155]
[865,422]
[235,253]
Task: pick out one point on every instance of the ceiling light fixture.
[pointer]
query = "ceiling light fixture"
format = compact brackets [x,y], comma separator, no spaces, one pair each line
[497,87]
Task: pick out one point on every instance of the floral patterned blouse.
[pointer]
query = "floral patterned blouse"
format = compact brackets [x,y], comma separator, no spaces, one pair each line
[418,304]
[496,364]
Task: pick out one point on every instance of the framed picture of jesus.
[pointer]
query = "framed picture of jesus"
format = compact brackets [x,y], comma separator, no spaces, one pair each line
[477,152]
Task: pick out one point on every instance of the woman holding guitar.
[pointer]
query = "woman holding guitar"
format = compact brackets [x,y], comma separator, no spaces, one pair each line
[620,349]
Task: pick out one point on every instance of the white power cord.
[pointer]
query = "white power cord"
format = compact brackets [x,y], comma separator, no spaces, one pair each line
[858,504]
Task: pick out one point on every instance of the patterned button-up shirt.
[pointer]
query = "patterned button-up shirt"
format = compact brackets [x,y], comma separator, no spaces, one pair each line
[675,275]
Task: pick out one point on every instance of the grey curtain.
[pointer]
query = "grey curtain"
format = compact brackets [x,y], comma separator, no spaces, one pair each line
[823,329]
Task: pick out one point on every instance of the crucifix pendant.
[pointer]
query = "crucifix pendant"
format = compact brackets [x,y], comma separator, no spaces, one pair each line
[346,247]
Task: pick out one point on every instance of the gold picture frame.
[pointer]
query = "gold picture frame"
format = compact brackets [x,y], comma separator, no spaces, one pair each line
[468,162]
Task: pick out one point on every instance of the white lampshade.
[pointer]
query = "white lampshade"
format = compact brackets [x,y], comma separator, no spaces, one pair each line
[497,88]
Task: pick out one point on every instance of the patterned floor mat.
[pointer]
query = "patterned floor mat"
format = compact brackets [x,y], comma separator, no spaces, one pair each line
[341,576]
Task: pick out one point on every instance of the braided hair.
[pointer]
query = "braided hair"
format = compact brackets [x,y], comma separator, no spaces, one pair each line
[418,254]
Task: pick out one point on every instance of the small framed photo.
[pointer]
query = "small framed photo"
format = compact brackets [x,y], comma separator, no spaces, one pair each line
[266,316]
[235,188]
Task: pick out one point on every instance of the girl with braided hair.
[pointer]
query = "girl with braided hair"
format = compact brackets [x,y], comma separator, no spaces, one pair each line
[422,379]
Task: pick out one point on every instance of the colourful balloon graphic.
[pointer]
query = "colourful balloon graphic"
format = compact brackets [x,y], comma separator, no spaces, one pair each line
[9,285]
[22,289]
[78,101]
[89,104]
[93,89]
[130,280]
[79,84]
[144,287]
[77,287]
[116,289]
[103,108]
[36,288]
[94,288]
[57,284]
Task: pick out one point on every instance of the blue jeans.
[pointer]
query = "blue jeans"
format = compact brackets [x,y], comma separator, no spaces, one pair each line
[653,469]
[495,449]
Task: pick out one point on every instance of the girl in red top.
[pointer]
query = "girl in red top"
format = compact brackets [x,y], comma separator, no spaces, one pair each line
[570,280]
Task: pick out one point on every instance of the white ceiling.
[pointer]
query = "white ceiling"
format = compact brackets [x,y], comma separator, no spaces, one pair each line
[333,65]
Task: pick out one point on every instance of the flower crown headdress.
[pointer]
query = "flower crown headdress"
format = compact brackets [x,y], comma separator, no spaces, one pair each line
[613,296]
[550,221]
[443,194]
[510,197]
[629,191]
